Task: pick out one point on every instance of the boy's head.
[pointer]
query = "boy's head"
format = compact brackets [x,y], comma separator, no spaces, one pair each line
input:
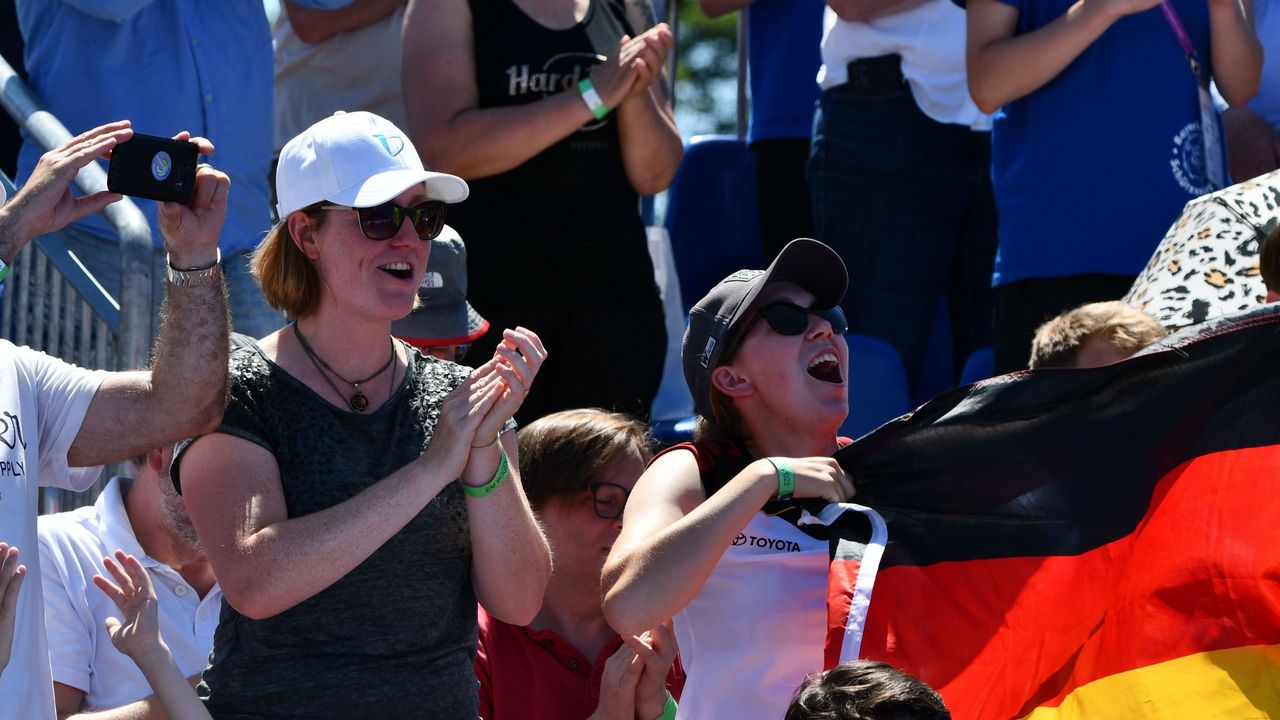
[1093,335]
[866,690]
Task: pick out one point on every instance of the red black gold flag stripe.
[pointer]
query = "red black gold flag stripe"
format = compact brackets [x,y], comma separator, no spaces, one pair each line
[1098,544]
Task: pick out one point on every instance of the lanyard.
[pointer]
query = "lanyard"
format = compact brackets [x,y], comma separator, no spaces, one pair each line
[1175,23]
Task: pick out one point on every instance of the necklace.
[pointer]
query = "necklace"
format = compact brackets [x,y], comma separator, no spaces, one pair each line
[358,402]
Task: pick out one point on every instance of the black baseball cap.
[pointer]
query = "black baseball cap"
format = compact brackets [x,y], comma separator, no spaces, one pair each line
[806,263]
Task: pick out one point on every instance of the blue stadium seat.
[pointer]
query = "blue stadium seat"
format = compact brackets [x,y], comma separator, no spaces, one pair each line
[878,389]
[711,214]
[980,366]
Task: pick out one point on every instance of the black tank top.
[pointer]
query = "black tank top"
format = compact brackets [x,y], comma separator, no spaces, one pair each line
[563,227]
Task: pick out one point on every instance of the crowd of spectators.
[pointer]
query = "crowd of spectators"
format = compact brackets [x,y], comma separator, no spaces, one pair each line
[337,516]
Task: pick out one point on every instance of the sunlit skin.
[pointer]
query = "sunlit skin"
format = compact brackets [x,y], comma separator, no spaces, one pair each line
[769,376]
[351,265]
[1096,352]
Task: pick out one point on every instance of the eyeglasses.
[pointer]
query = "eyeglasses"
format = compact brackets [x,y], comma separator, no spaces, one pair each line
[382,222]
[609,499]
[790,319]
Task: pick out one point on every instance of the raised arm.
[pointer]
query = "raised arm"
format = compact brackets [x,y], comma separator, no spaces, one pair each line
[314,25]
[267,562]
[448,127]
[672,539]
[510,557]
[184,392]
[1237,53]
[1003,66]
[651,144]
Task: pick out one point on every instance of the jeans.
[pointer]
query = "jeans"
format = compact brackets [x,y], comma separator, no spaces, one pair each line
[250,313]
[907,203]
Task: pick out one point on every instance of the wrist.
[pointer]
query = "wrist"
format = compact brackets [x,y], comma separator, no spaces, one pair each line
[193,258]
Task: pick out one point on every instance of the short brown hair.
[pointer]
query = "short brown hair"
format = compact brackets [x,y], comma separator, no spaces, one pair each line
[866,690]
[288,278]
[1269,260]
[562,452]
[1125,328]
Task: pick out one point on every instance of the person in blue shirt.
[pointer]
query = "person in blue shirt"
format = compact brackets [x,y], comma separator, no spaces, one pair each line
[168,65]
[783,60]
[1100,139]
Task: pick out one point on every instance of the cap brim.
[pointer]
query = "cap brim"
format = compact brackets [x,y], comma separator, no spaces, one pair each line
[387,185]
[427,327]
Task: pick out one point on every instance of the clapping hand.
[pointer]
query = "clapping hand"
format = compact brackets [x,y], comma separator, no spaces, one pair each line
[656,650]
[515,363]
[191,231]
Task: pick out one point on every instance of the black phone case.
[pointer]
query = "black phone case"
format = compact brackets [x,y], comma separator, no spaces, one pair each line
[155,168]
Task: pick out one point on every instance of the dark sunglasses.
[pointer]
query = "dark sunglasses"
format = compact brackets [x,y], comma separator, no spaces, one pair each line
[790,319]
[382,222]
[610,499]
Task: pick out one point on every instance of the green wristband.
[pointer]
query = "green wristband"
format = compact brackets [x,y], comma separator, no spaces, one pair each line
[4,271]
[668,710]
[498,476]
[592,98]
[786,477]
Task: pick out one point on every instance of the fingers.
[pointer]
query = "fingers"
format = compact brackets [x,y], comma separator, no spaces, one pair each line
[122,578]
[11,576]
[111,591]
[212,187]
[137,574]
[91,204]
[203,145]
[113,627]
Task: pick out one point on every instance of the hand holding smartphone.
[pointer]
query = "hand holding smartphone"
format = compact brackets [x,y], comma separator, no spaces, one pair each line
[156,168]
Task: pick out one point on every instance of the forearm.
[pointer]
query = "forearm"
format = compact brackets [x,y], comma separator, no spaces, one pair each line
[172,691]
[653,581]
[149,708]
[867,10]
[314,26]
[1003,70]
[289,561]
[1237,53]
[481,142]
[650,140]
[510,558]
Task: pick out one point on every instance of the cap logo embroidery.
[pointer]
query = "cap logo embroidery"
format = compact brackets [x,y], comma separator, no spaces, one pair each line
[743,275]
[432,280]
[393,144]
[706,352]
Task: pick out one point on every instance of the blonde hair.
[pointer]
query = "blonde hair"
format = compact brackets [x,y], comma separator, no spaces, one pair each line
[1123,327]
[286,275]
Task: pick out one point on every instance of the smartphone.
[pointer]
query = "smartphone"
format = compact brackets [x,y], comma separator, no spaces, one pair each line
[156,168]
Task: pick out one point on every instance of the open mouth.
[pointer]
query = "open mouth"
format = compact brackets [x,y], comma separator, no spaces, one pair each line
[826,367]
[401,270]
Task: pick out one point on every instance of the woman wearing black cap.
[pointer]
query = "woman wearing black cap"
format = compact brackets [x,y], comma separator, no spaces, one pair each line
[766,361]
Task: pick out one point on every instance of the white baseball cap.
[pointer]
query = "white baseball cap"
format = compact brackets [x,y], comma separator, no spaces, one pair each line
[356,159]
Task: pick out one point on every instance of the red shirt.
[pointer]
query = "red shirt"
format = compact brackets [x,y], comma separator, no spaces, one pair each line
[537,675]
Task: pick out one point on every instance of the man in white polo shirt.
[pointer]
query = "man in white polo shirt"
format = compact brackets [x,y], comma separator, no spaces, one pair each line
[56,418]
[146,518]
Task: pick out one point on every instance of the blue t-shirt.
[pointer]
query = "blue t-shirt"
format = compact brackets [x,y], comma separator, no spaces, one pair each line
[1092,169]
[783,47]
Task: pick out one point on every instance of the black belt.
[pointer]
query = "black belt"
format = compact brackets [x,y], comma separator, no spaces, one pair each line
[876,76]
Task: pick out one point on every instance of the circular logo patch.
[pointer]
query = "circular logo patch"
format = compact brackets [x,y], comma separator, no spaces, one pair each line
[161,165]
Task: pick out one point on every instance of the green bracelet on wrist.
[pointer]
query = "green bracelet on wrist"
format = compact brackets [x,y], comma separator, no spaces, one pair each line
[4,272]
[498,477]
[668,710]
[786,477]
[593,100]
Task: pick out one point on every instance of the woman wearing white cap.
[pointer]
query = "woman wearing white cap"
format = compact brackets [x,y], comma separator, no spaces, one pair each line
[765,358]
[359,498]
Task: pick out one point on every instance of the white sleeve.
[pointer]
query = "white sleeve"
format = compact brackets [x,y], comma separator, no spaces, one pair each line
[67,619]
[62,394]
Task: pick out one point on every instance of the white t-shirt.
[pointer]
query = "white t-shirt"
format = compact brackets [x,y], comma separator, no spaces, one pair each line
[929,37]
[354,70]
[43,400]
[72,545]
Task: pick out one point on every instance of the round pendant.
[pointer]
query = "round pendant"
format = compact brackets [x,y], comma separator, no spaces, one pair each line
[359,402]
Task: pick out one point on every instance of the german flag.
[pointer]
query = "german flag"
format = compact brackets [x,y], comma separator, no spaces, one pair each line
[1096,544]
